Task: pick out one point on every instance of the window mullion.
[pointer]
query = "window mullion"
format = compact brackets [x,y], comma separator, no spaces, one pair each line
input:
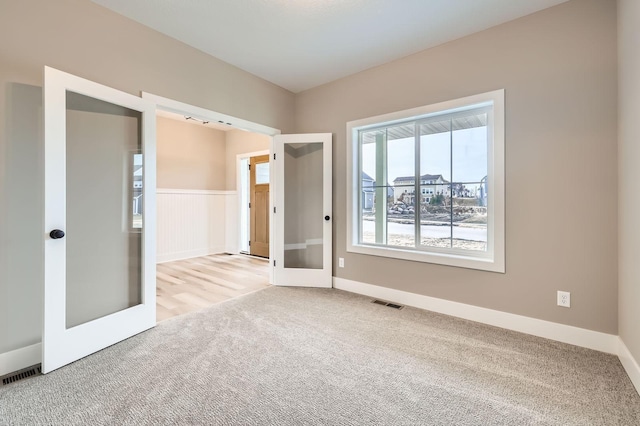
[360,208]
[450,182]
[381,190]
[418,189]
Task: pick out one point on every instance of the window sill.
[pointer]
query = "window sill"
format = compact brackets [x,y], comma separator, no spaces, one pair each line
[447,259]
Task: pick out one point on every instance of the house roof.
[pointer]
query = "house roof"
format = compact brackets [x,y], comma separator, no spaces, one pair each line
[367,177]
[423,177]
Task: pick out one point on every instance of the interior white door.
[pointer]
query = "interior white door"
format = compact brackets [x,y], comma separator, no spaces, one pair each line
[99,217]
[302,216]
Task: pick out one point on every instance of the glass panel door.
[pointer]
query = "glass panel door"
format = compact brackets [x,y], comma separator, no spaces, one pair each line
[303,205]
[99,257]
[303,210]
[103,224]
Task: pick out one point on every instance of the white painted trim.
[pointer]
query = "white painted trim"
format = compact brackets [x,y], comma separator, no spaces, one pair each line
[193,191]
[560,332]
[273,189]
[208,115]
[630,364]
[239,158]
[20,358]
[188,254]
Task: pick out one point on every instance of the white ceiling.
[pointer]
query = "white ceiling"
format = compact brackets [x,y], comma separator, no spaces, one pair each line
[300,44]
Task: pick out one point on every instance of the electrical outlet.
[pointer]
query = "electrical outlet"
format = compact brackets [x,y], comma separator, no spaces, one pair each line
[564,299]
[341,262]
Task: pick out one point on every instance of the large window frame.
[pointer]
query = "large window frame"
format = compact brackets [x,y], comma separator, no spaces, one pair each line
[493,259]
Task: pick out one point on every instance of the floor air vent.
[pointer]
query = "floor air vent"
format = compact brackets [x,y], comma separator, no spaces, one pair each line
[21,375]
[389,304]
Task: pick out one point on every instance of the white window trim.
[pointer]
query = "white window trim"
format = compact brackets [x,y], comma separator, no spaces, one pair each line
[494,260]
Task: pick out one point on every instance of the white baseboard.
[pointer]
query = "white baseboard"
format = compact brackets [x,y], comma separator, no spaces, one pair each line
[630,364]
[602,342]
[20,358]
[180,255]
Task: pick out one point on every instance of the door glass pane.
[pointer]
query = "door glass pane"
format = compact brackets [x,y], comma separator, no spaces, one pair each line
[303,205]
[104,209]
[262,173]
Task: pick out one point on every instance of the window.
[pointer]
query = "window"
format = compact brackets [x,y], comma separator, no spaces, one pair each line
[137,202]
[436,179]
[262,173]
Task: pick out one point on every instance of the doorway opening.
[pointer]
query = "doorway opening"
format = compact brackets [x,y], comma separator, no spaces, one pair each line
[204,229]
[254,179]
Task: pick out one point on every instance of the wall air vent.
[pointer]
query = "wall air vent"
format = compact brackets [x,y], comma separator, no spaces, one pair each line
[385,303]
[21,375]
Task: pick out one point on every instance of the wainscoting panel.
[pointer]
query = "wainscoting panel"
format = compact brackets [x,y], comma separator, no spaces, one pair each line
[232,240]
[192,223]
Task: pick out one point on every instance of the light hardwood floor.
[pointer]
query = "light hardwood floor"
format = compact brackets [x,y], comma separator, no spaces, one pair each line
[193,284]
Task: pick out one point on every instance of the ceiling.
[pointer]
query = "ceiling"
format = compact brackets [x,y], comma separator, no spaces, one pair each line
[300,44]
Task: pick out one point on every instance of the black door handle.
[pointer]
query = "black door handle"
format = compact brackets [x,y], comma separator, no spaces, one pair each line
[56,234]
[327,217]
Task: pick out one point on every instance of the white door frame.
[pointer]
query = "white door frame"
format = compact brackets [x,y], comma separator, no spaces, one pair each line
[182,108]
[239,188]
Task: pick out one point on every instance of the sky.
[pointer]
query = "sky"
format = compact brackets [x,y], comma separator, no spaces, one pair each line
[469,156]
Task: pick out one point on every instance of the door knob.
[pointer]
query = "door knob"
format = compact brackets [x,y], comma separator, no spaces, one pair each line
[327,217]
[56,234]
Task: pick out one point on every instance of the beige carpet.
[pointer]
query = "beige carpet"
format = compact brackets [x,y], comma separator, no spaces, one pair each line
[306,356]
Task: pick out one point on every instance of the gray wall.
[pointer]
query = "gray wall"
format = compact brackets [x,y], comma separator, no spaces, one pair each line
[558,68]
[21,216]
[629,173]
[85,39]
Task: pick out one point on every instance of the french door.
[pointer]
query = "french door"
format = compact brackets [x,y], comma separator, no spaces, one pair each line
[302,215]
[99,217]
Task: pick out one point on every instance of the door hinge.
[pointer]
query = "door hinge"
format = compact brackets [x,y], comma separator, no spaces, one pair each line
[274,156]
[274,263]
[249,205]
[249,243]
[274,209]
[249,166]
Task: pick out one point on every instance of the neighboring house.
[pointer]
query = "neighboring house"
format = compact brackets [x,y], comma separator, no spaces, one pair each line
[368,191]
[137,190]
[430,185]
